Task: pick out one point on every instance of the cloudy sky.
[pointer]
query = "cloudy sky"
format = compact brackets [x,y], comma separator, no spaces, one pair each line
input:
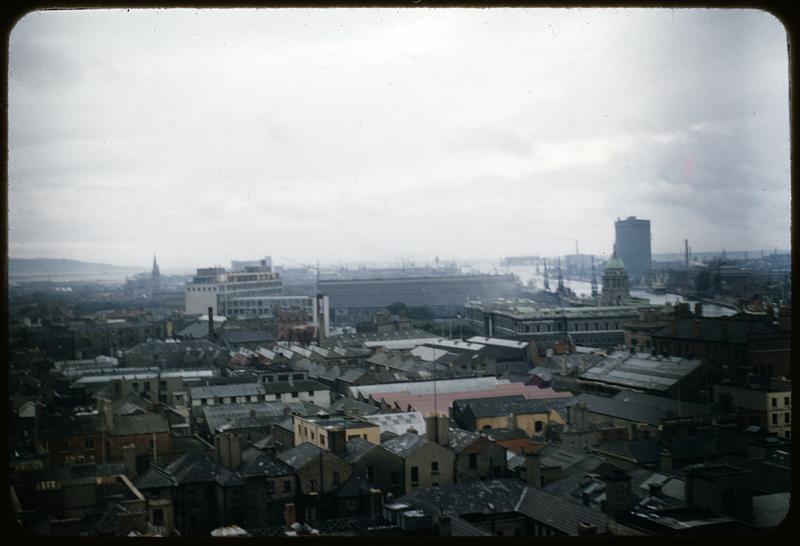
[346,135]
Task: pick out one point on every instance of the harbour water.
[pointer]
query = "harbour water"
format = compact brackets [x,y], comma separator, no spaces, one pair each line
[528,274]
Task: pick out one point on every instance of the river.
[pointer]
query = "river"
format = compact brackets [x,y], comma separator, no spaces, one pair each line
[527,273]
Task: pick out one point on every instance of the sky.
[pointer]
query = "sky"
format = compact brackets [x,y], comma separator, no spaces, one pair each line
[338,135]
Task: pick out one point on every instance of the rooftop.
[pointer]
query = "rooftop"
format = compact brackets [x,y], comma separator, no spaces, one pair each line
[642,370]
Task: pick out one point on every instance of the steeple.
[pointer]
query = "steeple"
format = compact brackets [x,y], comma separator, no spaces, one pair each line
[155,277]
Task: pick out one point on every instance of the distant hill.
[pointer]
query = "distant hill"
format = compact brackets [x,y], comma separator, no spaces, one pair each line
[37,267]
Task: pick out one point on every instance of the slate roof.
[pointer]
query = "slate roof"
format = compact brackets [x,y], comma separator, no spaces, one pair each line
[354,407]
[226,478]
[405,445]
[131,403]
[507,496]
[458,439]
[294,386]
[234,337]
[625,406]
[194,467]
[117,520]
[728,330]
[299,456]
[641,370]
[476,497]
[220,391]
[354,486]
[196,330]
[357,448]
[505,405]
[217,416]
[667,405]
[146,423]
[559,512]
[155,477]
[770,510]
[426,387]
[159,346]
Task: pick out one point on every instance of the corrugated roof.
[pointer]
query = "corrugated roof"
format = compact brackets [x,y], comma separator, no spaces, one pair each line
[398,423]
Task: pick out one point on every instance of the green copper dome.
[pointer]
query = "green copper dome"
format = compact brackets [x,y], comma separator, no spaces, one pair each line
[615,263]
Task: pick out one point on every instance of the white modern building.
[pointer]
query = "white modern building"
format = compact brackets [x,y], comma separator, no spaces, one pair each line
[218,289]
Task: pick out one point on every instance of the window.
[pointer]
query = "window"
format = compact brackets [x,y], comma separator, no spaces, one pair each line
[435,484]
[295,395]
[158,516]
[473,461]
[414,474]
[537,426]
[322,440]
[774,418]
[786,401]
[88,443]
[335,478]
[297,376]
[434,467]
[311,393]
[370,472]
[162,385]
[135,386]
[270,487]
[313,485]
[786,417]
[287,486]
[364,436]
[147,387]
[283,377]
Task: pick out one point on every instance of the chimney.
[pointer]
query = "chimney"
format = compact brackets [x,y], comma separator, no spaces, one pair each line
[289,514]
[129,456]
[437,428]
[698,309]
[444,526]
[666,461]
[533,470]
[211,322]
[585,529]
[618,491]
[337,441]
[228,449]
[655,489]
[106,409]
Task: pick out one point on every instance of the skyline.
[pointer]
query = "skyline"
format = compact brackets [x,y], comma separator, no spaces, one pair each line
[363,135]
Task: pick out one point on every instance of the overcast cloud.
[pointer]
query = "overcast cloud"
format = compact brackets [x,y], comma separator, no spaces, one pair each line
[344,135]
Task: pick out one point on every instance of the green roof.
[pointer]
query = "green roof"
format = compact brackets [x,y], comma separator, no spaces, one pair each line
[615,263]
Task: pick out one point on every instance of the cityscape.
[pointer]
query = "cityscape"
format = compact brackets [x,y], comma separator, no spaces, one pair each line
[239,309]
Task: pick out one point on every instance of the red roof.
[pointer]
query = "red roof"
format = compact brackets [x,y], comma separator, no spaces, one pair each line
[424,403]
